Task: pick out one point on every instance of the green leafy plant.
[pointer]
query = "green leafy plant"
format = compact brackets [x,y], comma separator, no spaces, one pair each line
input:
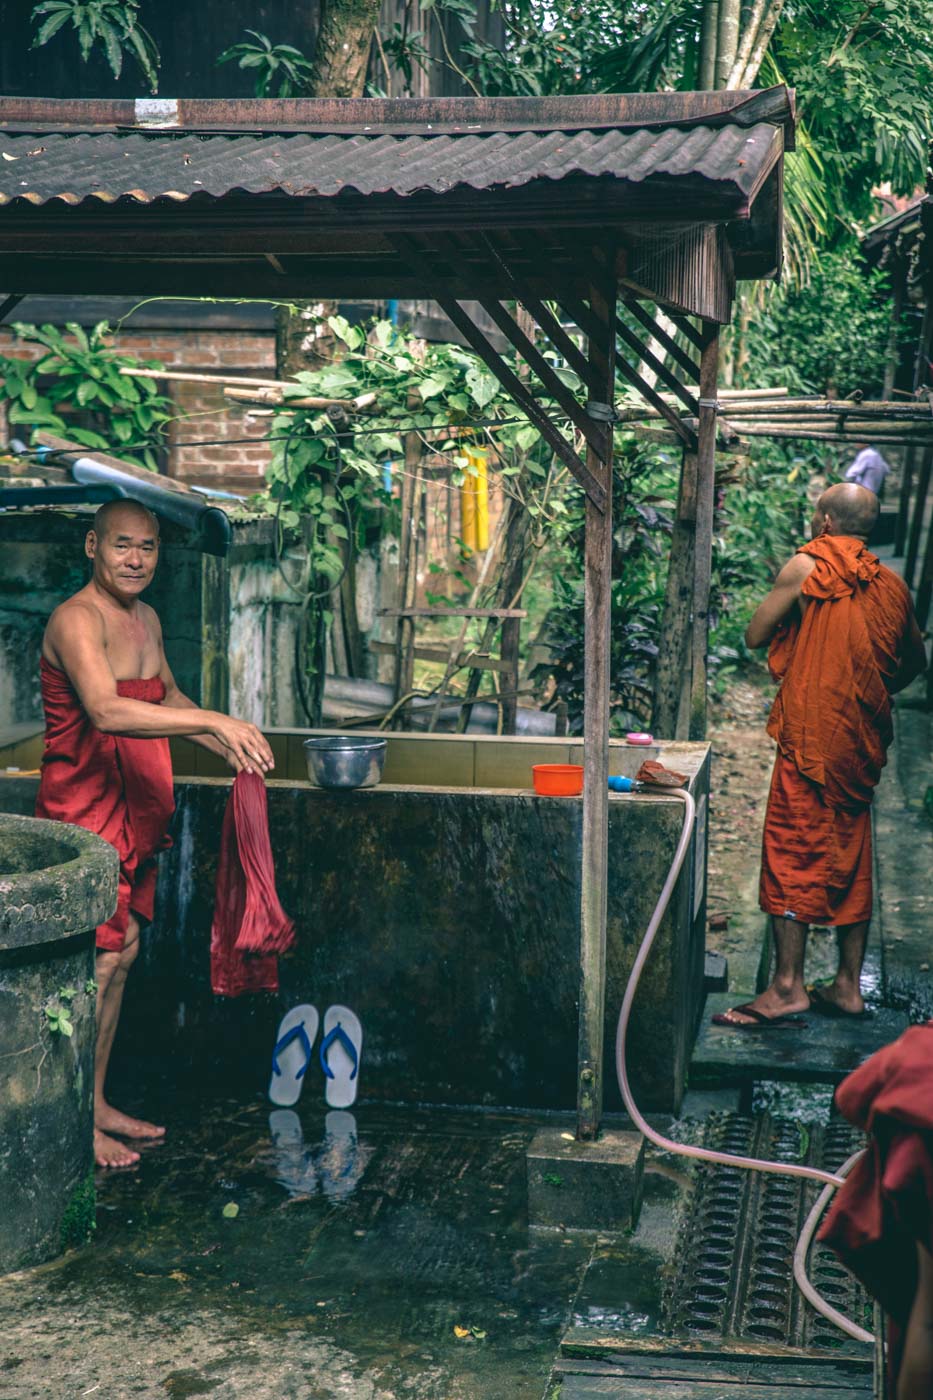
[127,415]
[59,1020]
[405,49]
[326,474]
[281,70]
[111,24]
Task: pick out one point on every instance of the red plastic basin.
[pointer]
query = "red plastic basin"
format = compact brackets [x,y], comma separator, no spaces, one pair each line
[558,779]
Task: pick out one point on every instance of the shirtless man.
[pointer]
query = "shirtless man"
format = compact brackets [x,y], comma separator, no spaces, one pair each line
[111,703]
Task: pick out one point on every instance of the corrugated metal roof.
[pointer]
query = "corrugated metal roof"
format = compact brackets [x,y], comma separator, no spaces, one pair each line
[168,166]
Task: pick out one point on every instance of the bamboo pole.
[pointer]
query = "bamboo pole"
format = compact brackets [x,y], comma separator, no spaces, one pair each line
[727,40]
[264,397]
[708,34]
[221,381]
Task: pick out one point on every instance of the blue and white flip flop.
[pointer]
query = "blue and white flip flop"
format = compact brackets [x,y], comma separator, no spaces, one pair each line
[292,1054]
[292,1161]
[340,1056]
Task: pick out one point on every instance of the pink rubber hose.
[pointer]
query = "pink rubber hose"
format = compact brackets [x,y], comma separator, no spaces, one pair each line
[704,1154]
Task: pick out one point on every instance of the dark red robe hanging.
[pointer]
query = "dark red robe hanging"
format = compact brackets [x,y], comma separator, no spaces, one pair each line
[250,927]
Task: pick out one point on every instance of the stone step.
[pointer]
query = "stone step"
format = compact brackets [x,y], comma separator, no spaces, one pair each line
[822,1051]
[708,1372]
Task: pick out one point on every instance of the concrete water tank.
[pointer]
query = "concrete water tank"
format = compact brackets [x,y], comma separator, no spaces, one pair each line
[57,883]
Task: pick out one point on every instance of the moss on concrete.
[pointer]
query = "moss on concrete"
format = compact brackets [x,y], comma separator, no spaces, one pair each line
[79,1220]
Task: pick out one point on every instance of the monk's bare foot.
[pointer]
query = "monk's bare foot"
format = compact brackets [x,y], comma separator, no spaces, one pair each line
[111,1120]
[110,1153]
[842,994]
[770,1005]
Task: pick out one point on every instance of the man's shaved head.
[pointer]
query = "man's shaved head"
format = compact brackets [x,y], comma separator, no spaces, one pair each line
[108,514]
[846,509]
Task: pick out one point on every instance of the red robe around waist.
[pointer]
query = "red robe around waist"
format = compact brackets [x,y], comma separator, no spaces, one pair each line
[119,787]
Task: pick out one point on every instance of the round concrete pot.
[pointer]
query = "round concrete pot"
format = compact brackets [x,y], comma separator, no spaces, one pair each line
[57,883]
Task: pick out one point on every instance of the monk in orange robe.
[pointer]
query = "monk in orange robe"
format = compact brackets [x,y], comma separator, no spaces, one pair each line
[111,704]
[843,639]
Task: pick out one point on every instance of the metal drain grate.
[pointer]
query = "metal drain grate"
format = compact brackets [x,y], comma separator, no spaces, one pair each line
[733,1276]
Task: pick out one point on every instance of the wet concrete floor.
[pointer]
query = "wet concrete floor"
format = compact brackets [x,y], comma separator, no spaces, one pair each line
[370,1257]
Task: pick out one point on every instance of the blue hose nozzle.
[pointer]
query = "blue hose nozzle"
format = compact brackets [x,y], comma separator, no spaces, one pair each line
[618,784]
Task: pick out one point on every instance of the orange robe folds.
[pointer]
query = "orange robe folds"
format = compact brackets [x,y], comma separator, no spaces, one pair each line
[832,724]
[119,787]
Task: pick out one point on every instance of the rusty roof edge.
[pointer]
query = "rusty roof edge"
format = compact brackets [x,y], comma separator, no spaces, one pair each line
[388,116]
[893,223]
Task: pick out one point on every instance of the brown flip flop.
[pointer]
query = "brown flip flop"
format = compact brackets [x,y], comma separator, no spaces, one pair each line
[759,1021]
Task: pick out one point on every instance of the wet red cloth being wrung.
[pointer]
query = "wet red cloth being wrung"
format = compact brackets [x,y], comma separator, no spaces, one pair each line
[250,926]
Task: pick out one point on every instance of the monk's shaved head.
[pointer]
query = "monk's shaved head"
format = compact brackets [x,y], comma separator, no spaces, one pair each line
[846,509]
[111,512]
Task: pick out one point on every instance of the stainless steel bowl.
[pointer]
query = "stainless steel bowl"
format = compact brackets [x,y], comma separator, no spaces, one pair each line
[344,761]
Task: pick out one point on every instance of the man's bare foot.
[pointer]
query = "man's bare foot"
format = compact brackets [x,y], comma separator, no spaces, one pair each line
[110,1153]
[770,1005]
[111,1120]
[847,1000]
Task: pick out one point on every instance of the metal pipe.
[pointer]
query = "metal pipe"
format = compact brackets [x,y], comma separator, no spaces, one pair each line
[210,523]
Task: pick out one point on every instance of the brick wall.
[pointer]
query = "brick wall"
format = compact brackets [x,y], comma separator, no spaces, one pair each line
[206,414]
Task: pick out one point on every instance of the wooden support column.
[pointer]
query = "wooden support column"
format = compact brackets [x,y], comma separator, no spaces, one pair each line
[925,586]
[903,503]
[916,524]
[597,610]
[407,569]
[905,529]
[703,546]
[674,653]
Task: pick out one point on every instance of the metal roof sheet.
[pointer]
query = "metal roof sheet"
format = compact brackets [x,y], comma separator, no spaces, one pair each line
[168,166]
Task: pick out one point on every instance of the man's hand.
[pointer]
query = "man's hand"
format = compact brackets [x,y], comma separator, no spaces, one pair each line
[786,593]
[245,746]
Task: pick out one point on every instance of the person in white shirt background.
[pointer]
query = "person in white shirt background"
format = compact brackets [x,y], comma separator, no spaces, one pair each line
[868,469]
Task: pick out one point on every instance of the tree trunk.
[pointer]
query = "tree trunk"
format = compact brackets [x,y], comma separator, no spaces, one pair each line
[708,31]
[341,56]
[727,40]
[759,47]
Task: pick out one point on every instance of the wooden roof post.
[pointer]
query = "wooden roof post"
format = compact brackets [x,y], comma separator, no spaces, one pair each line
[673,664]
[597,609]
[703,545]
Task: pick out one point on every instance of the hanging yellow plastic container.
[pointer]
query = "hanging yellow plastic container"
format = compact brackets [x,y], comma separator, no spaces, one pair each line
[474,501]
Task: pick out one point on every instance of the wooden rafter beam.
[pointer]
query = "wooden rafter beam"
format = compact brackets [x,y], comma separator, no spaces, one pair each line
[666,410]
[563,343]
[592,432]
[647,356]
[658,332]
[424,262]
[686,326]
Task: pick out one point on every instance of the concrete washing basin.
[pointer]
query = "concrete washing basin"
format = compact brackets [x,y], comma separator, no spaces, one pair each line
[57,883]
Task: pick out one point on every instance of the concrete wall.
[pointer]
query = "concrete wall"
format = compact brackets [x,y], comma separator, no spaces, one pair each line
[449,920]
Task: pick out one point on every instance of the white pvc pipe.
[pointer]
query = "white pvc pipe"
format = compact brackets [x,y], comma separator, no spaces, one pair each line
[705,1154]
